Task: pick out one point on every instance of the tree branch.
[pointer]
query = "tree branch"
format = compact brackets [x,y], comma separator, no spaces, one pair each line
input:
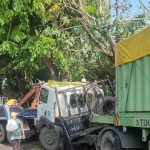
[110,37]
[99,3]
[144,6]
[9,30]
[106,37]
[97,43]
[80,11]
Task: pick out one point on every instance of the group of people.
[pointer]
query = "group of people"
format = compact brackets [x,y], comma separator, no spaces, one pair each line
[83,81]
[95,83]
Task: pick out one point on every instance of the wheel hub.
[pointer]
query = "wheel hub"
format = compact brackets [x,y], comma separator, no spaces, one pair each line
[49,138]
[108,145]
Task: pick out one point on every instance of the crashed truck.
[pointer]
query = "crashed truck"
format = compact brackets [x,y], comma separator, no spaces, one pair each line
[62,114]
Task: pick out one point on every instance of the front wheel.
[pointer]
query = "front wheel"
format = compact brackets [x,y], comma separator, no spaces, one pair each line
[110,141]
[49,139]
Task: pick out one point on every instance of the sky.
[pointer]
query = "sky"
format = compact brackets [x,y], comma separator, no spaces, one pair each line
[136,3]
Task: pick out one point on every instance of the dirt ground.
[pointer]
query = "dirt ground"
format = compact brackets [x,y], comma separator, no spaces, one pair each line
[30,144]
[34,144]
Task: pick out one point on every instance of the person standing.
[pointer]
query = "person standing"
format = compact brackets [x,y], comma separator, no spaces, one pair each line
[15,136]
[95,83]
[83,81]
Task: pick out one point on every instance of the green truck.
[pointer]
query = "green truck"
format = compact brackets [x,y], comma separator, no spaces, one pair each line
[129,127]
[94,114]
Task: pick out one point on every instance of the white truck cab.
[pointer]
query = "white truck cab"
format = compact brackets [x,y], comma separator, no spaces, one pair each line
[70,100]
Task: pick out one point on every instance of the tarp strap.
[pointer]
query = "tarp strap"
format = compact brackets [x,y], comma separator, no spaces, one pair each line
[143,72]
[128,88]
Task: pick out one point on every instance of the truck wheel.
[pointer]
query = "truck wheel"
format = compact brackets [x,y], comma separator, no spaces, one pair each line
[3,133]
[110,141]
[49,139]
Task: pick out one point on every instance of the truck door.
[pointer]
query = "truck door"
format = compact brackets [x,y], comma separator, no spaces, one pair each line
[42,106]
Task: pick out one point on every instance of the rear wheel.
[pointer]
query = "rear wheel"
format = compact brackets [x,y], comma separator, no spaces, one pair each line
[3,133]
[110,141]
[49,139]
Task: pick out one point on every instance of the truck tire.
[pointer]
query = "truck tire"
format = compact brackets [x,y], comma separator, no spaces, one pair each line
[110,141]
[49,139]
[107,106]
[3,133]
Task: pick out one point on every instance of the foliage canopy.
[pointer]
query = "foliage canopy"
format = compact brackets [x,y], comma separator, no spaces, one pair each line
[70,38]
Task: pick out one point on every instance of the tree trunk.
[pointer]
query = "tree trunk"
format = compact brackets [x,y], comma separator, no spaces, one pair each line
[50,68]
[64,76]
[55,72]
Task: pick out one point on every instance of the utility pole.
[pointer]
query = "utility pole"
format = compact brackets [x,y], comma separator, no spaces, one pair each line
[123,8]
[116,6]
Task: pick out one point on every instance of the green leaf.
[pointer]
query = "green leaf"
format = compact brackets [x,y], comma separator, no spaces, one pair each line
[17,35]
[65,20]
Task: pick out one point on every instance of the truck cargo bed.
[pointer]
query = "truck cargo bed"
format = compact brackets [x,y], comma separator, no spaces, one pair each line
[25,113]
